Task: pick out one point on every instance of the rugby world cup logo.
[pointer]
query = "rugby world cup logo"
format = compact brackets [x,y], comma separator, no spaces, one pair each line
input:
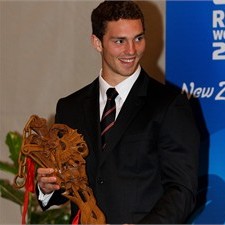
[219,2]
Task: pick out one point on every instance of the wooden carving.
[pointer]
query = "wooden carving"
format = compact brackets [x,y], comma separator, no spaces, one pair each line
[63,149]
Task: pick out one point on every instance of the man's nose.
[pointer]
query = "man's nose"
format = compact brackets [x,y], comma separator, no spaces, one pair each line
[130,48]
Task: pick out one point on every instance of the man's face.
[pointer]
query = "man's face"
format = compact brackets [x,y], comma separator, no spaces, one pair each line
[122,48]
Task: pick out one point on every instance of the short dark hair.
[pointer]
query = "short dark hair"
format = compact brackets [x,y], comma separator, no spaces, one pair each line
[110,10]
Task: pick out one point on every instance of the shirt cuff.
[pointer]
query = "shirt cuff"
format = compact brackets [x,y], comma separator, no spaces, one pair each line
[44,198]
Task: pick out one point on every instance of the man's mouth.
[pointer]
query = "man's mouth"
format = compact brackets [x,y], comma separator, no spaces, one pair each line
[127,60]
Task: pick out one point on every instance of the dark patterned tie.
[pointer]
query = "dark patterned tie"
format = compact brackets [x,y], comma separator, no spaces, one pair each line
[109,113]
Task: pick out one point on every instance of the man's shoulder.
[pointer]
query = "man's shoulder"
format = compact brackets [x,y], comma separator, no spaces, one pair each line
[160,88]
[82,93]
[162,93]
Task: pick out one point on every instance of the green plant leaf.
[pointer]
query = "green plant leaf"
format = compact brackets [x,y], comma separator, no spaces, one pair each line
[14,142]
[54,216]
[8,167]
[8,192]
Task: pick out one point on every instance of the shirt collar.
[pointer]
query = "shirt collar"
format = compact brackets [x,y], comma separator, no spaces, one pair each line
[123,88]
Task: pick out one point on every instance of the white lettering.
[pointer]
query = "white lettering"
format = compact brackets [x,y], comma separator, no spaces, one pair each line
[221,94]
[219,2]
[207,92]
[218,17]
[219,35]
[219,54]
[185,90]
[199,92]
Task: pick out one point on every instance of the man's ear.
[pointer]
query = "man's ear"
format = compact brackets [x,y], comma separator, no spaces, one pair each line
[96,43]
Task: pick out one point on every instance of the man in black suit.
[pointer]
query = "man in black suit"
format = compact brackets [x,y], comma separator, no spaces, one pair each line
[147,170]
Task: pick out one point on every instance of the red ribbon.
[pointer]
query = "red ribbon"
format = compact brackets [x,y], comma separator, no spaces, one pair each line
[29,187]
[76,218]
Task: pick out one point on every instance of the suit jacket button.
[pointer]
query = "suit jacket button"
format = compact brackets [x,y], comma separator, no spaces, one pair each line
[99,180]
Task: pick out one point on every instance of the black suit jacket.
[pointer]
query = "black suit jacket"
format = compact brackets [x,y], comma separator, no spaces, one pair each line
[148,171]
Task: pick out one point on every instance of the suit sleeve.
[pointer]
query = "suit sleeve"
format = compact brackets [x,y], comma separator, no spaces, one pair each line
[178,147]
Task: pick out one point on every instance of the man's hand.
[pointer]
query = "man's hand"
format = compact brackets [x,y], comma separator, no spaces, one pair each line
[46,180]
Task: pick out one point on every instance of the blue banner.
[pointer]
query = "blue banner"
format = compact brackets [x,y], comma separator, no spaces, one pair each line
[195,63]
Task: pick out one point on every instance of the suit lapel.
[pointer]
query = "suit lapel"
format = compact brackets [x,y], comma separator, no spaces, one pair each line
[134,102]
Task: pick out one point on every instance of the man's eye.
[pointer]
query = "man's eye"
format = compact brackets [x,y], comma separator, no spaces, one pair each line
[139,38]
[119,41]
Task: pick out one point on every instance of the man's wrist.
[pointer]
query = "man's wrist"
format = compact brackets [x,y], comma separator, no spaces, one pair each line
[44,198]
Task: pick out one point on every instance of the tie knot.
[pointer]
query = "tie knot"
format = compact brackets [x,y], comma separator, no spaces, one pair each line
[111,93]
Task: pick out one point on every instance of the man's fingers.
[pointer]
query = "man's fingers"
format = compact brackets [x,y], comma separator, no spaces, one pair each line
[47,188]
[45,171]
[48,184]
[47,180]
